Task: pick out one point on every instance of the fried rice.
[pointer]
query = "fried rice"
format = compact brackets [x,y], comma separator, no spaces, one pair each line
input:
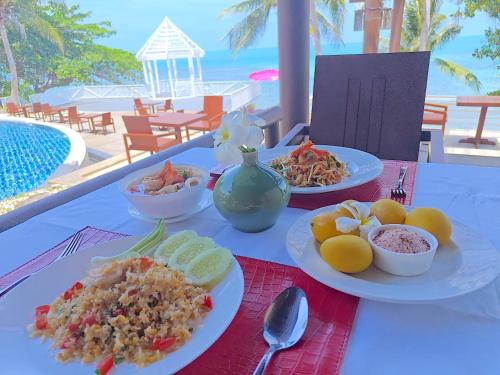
[134,309]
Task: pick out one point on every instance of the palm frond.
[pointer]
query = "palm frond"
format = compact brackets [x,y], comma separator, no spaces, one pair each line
[30,15]
[444,35]
[246,6]
[329,29]
[247,31]
[459,72]
[332,24]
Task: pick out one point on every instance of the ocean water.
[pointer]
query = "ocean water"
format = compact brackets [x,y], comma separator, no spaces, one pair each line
[221,66]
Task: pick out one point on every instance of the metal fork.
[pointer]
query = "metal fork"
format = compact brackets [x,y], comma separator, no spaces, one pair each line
[70,248]
[398,190]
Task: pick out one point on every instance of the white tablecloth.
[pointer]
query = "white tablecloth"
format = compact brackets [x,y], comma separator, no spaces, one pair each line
[386,338]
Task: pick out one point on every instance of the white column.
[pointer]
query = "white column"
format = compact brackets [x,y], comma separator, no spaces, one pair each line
[145,71]
[157,78]
[175,71]
[151,83]
[191,74]
[198,61]
[170,81]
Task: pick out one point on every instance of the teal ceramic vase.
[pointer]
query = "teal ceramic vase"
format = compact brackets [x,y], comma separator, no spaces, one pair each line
[252,195]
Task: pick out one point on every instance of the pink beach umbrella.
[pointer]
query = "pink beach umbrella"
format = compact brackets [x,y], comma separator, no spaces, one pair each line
[265,75]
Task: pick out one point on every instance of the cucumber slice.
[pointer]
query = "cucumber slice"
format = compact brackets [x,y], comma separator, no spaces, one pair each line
[209,267]
[165,249]
[188,251]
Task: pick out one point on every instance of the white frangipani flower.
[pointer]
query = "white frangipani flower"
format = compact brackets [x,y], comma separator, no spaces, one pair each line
[361,219]
[236,129]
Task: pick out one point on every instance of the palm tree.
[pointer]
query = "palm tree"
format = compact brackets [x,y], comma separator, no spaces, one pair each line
[20,15]
[440,31]
[326,18]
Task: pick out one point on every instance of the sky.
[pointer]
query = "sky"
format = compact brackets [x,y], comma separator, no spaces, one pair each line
[135,20]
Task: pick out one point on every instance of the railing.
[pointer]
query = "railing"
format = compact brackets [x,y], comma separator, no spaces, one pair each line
[183,89]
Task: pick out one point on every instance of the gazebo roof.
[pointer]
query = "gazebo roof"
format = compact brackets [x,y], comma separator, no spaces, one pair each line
[169,42]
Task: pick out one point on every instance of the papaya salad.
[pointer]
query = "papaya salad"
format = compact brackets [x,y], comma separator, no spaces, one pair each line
[307,166]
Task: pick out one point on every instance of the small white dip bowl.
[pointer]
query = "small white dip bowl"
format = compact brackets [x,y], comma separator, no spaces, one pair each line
[164,205]
[403,264]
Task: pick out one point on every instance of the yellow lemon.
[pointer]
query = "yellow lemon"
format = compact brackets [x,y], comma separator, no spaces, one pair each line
[388,211]
[347,253]
[323,226]
[432,220]
[343,211]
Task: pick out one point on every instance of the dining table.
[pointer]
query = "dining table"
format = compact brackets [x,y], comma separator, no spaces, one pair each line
[457,336]
[176,121]
[91,116]
[483,102]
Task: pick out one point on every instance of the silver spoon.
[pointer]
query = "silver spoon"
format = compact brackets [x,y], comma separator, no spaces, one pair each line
[284,323]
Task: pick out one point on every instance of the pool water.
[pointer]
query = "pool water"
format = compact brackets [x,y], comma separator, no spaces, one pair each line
[29,154]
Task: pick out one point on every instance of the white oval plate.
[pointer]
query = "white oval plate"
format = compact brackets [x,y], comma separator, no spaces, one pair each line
[21,354]
[364,167]
[467,263]
[205,202]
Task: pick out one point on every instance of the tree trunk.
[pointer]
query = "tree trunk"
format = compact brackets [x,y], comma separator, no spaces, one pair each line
[14,81]
[426,22]
[314,28]
[372,22]
[396,25]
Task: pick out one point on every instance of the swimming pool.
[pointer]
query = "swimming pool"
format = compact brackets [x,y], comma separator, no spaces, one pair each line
[29,154]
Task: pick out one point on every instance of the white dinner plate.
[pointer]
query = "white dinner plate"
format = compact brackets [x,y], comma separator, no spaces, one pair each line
[362,166]
[21,354]
[205,202]
[467,263]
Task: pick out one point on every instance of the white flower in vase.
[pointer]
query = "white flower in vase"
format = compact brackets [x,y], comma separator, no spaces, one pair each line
[237,129]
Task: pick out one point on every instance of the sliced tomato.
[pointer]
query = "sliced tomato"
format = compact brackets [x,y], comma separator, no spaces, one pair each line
[89,319]
[77,285]
[145,262]
[207,302]
[42,310]
[41,322]
[163,344]
[68,294]
[132,292]
[67,343]
[105,365]
[73,327]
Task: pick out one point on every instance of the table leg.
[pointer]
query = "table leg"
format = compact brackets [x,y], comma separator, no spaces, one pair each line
[477,140]
[92,125]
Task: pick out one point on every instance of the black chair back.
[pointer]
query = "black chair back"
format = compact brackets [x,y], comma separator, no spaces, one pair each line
[371,102]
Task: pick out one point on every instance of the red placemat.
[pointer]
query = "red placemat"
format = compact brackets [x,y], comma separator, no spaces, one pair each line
[369,192]
[239,349]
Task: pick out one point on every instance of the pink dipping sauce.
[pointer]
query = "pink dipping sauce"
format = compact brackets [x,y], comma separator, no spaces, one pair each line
[401,240]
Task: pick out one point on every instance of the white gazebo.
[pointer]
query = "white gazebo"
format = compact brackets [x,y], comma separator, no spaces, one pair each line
[167,44]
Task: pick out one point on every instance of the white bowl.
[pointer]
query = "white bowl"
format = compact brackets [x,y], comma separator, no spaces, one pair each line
[164,205]
[402,264]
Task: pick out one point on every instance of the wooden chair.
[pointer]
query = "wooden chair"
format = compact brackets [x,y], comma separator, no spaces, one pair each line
[141,136]
[14,110]
[73,118]
[50,114]
[371,102]
[104,121]
[435,114]
[35,110]
[213,108]
[167,106]
[142,111]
